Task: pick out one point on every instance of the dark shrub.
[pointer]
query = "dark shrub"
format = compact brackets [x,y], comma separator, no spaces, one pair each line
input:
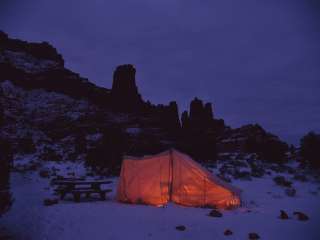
[145,144]
[199,144]
[310,149]
[25,145]
[108,151]
[5,161]
[281,181]
[268,149]
[50,154]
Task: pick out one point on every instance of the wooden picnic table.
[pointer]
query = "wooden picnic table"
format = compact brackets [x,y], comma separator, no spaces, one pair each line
[76,187]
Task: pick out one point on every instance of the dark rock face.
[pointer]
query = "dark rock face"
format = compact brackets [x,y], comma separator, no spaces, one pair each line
[79,109]
[124,92]
[200,115]
[199,131]
[40,66]
[38,50]
[25,67]
[253,139]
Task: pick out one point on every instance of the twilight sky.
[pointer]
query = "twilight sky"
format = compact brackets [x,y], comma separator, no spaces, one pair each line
[256,60]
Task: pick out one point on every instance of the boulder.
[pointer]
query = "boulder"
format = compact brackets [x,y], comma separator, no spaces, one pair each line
[283,215]
[253,236]
[181,228]
[301,216]
[301,178]
[291,192]
[49,202]
[243,175]
[257,172]
[228,232]
[44,173]
[281,181]
[215,213]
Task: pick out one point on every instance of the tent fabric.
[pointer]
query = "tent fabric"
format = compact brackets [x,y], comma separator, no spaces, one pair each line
[173,176]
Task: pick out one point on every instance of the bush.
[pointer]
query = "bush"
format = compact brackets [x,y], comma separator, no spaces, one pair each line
[5,160]
[201,146]
[310,149]
[281,181]
[108,152]
[49,154]
[26,145]
[268,149]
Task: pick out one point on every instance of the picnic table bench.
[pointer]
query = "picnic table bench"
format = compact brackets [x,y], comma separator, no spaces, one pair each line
[77,187]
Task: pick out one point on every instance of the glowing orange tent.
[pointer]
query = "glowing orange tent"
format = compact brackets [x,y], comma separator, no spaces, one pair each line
[173,176]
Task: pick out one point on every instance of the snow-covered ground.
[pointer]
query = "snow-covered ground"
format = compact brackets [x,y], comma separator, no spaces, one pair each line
[30,219]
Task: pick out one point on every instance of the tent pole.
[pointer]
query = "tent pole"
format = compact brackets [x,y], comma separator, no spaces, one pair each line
[171,175]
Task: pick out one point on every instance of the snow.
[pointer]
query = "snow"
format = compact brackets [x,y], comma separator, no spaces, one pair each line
[36,102]
[22,105]
[263,200]
[133,130]
[26,62]
[94,137]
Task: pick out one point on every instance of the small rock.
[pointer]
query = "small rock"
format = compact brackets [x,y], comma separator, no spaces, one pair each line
[228,232]
[215,213]
[257,171]
[90,174]
[253,236]
[180,228]
[281,181]
[291,192]
[301,178]
[224,178]
[44,173]
[314,192]
[49,202]
[283,215]
[243,175]
[291,171]
[71,174]
[301,216]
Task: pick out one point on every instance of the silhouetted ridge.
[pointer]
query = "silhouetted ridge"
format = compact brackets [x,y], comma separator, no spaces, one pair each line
[120,113]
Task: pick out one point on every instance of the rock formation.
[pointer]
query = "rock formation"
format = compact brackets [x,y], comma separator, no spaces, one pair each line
[199,131]
[124,93]
[40,66]
[33,77]
[253,139]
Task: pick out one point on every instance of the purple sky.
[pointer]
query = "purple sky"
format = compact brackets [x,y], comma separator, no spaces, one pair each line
[257,61]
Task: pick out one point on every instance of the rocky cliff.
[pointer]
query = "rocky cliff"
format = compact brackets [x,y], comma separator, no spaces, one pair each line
[50,112]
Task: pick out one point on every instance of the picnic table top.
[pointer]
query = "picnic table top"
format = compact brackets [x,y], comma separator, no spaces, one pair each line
[79,182]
